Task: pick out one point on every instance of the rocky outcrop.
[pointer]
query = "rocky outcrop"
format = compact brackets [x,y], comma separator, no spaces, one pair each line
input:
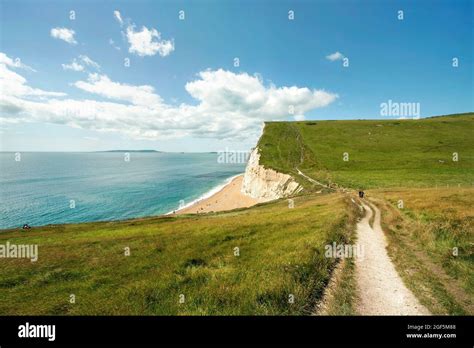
[266,184]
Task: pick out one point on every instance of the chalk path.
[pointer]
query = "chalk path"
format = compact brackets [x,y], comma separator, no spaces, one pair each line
[381,291]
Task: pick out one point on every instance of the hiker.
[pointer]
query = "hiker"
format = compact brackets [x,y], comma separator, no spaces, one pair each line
[361,194]
[26,227]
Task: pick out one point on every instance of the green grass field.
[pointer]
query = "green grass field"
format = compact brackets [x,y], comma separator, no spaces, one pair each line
[281,250]
[381,153]
[281,254]
[432,244]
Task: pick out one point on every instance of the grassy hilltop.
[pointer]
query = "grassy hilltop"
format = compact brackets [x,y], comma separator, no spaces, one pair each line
[281,250]
[381,153]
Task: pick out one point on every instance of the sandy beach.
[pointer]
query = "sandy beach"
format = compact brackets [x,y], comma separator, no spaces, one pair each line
[228,198]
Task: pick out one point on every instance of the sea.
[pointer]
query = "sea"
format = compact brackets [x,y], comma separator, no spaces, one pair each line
[39,188]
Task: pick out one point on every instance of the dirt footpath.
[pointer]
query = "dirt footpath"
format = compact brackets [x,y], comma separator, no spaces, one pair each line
[381,291]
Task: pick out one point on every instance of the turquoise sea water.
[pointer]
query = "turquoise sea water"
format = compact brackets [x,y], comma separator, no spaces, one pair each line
[39,188]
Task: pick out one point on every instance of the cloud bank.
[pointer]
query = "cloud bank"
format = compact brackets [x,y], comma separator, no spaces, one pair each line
[228,105]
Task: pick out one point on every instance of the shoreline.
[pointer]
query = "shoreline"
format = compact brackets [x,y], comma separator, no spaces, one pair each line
[221,198]
[206,195]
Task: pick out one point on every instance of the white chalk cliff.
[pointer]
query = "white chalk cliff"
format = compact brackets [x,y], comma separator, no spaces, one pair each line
[266,184]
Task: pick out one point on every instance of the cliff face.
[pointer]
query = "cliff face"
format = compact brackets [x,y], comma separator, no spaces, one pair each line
[266,184]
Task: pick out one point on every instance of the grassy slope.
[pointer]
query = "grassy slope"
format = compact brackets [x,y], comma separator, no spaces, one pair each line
[281,253]
[427,229]
[382,153]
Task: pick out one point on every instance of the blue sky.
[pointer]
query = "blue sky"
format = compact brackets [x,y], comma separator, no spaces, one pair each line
[182,91]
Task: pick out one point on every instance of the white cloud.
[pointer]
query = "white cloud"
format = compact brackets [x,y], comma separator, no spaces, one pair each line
[14,85]
[229,106]
[64,34]
[143,42]
[77,66]
[112,43]
[14,63]
[86,60]
[73,66]
[335,56]
[118,17]
[225,90]
[147,42]
[102,85]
